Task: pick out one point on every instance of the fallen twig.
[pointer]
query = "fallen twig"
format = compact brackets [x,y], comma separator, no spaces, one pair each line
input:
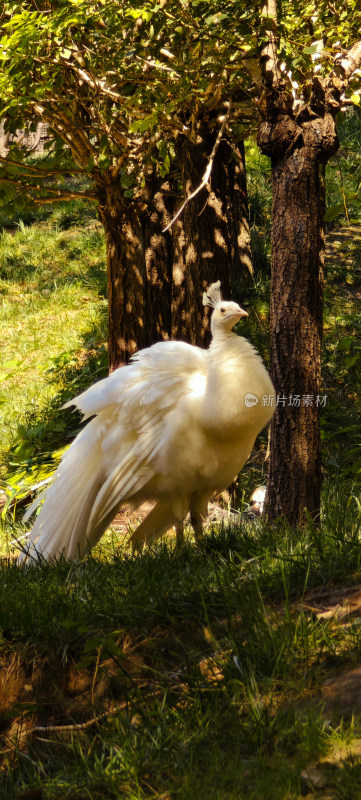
[77,726]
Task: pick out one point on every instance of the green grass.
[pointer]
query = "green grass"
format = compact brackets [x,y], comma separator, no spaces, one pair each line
[211,655]
[52,328]
[341,423]
[343,173]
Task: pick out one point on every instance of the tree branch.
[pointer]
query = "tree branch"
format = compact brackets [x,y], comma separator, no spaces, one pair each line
[69,194]
[208,170]
[151,63]
[80,726]
[39,170]
[352,61]
[58,194]
[269,60]
[42,201]
[277,98]
[55,122]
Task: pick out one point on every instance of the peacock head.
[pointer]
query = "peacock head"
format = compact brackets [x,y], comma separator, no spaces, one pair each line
[226,313]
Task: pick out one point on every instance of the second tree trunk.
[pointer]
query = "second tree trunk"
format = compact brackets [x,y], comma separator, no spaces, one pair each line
[294,481]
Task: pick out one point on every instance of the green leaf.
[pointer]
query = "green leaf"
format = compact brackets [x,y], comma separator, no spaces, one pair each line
[165,167]
[334,211]
[346,429]
[12,363]
[141,125]
[162,147]
[103,162]
[344,343]
[85,662]
[93,644]
[315,47]
[8,191]
[351,360]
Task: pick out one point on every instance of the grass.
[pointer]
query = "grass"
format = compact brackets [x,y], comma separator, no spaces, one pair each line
[343,173]
[53,297]
[211,656]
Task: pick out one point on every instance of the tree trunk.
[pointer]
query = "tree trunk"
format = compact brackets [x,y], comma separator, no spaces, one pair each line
[156,280]
[158,254]
[126,273]
[294,481]
[209,236]
[238,199]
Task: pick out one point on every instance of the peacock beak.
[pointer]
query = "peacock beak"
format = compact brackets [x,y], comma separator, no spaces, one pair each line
[240,313]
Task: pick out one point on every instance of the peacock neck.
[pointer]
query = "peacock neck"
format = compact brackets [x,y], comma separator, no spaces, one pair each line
[220,337]
[227,342]
[234,370]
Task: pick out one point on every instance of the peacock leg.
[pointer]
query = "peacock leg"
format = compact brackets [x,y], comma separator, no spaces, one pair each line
[157,522]
[179,527]
[197,521]
[199,513]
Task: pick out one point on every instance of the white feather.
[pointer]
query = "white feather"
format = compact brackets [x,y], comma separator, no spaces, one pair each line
[172,426]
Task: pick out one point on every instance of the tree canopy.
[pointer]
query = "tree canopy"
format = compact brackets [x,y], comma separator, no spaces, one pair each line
[117,83]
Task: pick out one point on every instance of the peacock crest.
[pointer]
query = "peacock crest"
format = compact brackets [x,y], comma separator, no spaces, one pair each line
[213,295]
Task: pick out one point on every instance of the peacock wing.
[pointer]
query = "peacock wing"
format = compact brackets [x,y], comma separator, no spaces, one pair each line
[139,405]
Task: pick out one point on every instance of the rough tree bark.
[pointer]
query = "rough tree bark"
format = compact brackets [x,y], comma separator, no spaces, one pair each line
[238,197]
[297,149]
[156,279]
[125,271]
[299,138]
[158,255]
[210,236]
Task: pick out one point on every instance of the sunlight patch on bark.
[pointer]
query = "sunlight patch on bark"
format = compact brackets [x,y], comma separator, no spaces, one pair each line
[219,239]
[191,254]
